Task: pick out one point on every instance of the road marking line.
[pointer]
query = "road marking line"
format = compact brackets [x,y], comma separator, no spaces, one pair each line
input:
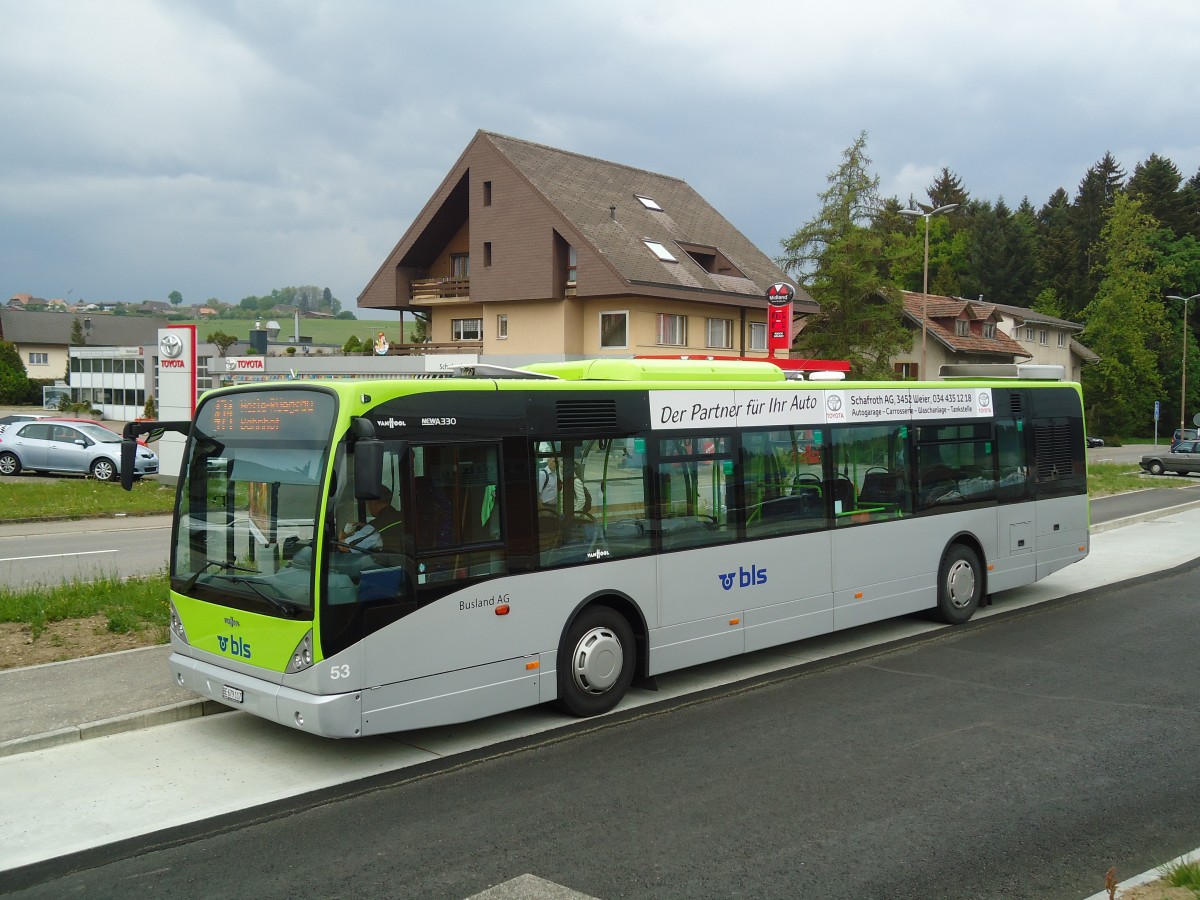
[55,555]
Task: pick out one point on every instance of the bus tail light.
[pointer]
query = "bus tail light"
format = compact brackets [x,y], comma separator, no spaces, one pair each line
[502,609]
[177,628]
[302,656]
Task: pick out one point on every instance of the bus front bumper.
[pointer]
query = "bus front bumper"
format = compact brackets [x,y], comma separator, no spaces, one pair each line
[332,715]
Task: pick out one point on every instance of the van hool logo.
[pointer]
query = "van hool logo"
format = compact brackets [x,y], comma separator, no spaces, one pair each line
[233,646]
[743,577]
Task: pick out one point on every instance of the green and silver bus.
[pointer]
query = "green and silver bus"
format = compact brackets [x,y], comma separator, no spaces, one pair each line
[358,557]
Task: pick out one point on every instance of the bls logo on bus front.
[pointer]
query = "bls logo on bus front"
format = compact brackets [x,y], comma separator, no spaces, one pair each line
[233,646]
[743,577]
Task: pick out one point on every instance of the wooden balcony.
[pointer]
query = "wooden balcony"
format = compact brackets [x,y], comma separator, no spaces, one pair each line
[441,291]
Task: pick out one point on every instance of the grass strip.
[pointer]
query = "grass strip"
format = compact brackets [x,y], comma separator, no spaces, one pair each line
[26,498]
[129,604]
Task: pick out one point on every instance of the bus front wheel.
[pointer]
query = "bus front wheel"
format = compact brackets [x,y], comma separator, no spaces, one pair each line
[596,660]
[959,585]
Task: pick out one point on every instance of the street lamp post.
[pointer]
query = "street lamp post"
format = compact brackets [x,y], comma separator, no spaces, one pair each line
[1183,365]
[914,213]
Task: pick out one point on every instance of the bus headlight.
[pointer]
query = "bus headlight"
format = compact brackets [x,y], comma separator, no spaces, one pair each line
[302,656]
[177,628]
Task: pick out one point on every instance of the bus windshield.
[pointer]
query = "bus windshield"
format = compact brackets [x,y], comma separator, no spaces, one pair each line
[250,500]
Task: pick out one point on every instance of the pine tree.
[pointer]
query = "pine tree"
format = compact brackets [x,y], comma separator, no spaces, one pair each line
[947,188]
[1156,183]
[1057,256]
[1097,190]
[841,260]
[14,382]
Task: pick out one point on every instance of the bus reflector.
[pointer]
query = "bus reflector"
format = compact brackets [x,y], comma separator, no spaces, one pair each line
[858,595]
[991,567]
[502,609]
[734,621]
[530,666]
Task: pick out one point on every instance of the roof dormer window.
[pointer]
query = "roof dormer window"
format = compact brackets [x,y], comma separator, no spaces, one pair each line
[649,202]
[660,251]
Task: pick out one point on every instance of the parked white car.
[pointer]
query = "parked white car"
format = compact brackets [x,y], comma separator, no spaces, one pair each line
[49,445]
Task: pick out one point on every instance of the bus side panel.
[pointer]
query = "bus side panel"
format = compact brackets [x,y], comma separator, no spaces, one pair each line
[466,629]
[890,568]
[452,697]
[1013,561]
[1062,528]
[780,587]
[805,608]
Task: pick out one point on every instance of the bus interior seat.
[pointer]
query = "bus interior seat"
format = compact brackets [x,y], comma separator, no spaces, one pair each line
[549,529]
[890,488]
[843,494]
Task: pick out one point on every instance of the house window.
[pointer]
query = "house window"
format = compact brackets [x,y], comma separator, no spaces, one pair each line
[1062,340]
[39,359]
[1043,337]
[660,251]
[756,339]
[907,370]
[614,330]
[649,202]
[572,266]
[487,254]
[962,327]
[502,327]
[719,333]
[466,329]
[989,329]
[672,330]
[487,193]
[460,265]
[1029,333]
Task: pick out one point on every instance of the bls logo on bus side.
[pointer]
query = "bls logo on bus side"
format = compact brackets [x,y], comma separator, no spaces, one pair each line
[743,577]
[232,645]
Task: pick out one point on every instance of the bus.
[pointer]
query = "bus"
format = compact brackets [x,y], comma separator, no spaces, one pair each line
[352,558]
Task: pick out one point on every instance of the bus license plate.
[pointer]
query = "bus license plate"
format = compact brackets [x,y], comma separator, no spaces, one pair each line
[231,693]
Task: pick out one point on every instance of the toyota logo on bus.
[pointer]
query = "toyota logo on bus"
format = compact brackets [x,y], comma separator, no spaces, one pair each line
[171,346]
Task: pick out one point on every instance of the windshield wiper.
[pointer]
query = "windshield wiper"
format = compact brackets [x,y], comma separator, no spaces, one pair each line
[256,586]
[212,564]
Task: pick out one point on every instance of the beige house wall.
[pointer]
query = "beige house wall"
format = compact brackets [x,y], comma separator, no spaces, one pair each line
[1045,346]
[56,365]
[571,327]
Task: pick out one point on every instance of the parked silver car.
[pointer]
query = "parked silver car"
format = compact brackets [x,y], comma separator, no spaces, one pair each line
[85,448]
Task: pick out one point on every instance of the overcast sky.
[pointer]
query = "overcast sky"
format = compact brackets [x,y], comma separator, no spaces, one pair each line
[223,149]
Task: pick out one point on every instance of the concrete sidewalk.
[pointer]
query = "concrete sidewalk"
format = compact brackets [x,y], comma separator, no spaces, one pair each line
[61,702]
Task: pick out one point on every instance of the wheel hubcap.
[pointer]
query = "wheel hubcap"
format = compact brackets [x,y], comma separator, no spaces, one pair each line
[960,584]
[597,662]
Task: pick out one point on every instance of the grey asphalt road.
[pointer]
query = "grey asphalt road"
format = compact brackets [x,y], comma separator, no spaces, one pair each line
[53,552]
[1018,756]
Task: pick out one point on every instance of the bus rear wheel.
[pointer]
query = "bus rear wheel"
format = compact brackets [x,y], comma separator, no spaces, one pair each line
[596,660]
[959,584]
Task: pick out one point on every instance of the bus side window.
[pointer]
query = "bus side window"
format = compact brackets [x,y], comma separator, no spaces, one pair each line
[456,494]
[691,485]
[781,484]
[870,479]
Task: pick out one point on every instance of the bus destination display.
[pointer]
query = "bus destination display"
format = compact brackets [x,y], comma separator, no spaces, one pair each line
[282,414]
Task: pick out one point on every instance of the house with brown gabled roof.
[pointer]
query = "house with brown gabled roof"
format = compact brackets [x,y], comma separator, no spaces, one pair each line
[956,331]
[528,253]
[1047,339]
